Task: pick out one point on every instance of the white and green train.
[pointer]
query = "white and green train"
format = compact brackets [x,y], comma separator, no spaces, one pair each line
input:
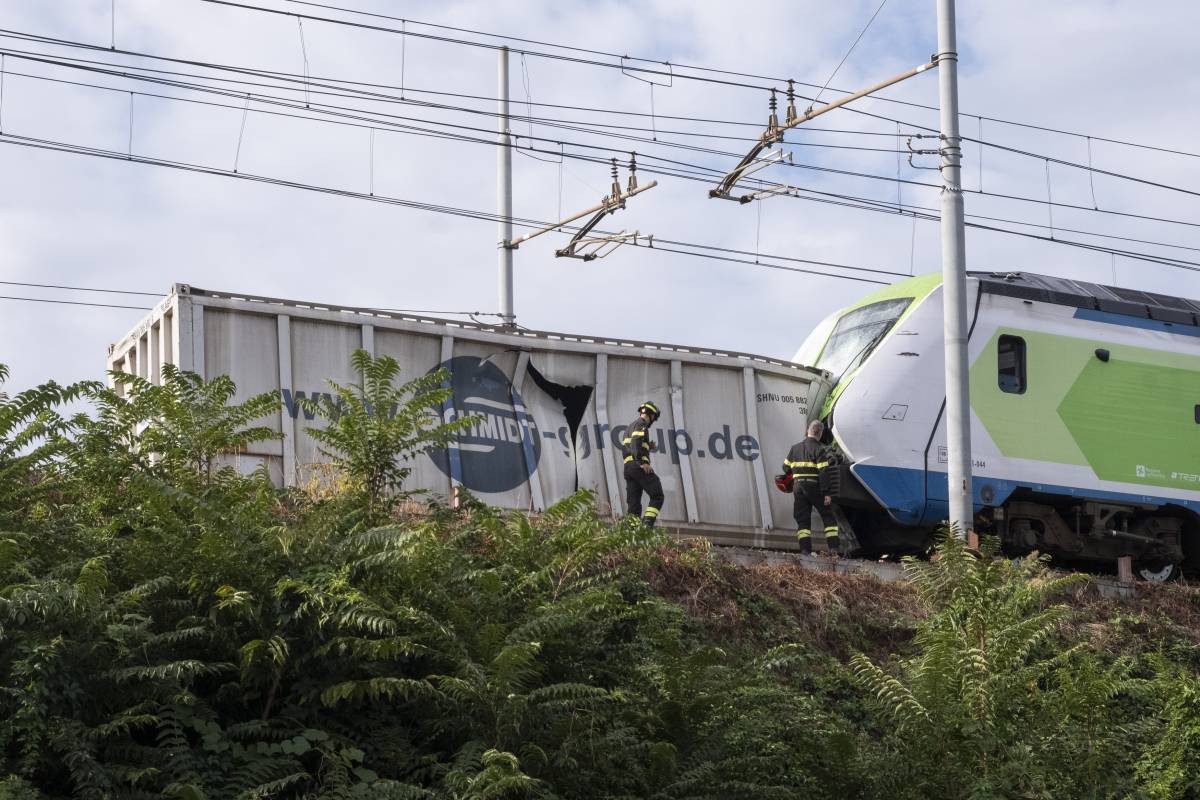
[1085,417]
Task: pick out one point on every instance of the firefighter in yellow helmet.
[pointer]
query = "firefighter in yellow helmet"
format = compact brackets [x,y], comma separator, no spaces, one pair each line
[808,463]
[639,477]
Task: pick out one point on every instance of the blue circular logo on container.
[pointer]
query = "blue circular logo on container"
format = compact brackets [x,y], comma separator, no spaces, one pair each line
[500,451]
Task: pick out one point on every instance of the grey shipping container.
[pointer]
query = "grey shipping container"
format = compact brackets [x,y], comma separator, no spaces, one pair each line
[552,407]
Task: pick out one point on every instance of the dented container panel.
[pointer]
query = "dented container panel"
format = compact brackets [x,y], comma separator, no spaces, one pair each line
[550,410]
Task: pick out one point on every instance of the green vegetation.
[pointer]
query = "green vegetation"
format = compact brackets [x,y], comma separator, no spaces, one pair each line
[172,628]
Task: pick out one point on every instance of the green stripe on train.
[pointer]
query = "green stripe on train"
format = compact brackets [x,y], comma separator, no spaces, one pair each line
[1131,419]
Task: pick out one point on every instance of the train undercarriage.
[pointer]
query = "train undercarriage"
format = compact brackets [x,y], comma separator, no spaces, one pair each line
[1075,532]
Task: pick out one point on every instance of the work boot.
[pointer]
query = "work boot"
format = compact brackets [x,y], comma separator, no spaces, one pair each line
[831,544]
[805,544]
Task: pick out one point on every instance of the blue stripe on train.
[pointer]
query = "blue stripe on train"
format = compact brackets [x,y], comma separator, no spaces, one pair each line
[902,492]
[1136,322]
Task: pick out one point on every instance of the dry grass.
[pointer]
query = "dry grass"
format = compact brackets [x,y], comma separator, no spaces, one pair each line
[1158,614]
[838,613]
[834,612]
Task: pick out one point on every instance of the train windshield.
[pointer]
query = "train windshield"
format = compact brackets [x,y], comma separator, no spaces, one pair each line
[857,333]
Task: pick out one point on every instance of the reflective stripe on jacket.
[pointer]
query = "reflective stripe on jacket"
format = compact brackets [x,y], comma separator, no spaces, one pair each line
[808,461]
[636,445]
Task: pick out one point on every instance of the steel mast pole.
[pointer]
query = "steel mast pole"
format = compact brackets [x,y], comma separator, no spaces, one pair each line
[954,279]
[504,194]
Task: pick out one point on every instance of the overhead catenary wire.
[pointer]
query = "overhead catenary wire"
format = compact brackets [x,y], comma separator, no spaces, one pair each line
[704,175]
[63,147]
[610,150]
[161,294]
[562,143]
[347,92]
[681,66]
[308,82]
[887,208]
[367,122]
[853,45]
[667,73]
[148,308]
[118,71]
[73,303]
[79,288]
[660,244]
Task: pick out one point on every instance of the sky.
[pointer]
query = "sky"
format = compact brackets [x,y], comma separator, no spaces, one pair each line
[1106,70]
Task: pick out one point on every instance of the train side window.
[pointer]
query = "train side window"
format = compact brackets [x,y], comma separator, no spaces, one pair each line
[1010,364]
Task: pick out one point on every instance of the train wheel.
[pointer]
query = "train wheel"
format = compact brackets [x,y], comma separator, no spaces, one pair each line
[1156,571]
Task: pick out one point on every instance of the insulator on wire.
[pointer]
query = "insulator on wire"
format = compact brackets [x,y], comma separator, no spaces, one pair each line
[773,119]
[632,171]
[791,109]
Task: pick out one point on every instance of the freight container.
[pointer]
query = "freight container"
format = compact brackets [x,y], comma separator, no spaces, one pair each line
[552,408]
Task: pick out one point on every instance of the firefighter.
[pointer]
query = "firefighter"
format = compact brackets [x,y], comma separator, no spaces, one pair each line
[808,464]
[639,477]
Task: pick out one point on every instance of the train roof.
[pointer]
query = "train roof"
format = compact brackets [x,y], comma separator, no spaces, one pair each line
[1081,294]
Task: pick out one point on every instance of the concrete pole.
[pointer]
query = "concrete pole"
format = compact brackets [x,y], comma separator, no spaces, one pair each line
[504,195]
[954,279]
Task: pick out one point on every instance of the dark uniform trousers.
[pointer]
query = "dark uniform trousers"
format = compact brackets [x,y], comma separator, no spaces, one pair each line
[808,463]
[636,447]
[636,482]
[808,497]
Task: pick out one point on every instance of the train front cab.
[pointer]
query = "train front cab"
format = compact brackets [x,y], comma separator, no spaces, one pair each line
[870,350]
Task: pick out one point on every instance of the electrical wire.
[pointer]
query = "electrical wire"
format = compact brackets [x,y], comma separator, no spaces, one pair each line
[307,82]
[858,39]
[676,173]
[73,303]
[702,176]
[667,73]
[706,177]
[1085,167]
[375,121]
[713,70]
[161,294]
[336,111]
[891,207]
[395,99]
[63,147]
[886,208]
[79,288]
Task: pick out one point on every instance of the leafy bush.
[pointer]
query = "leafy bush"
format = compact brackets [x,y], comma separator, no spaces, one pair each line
[172,628]
[374,428]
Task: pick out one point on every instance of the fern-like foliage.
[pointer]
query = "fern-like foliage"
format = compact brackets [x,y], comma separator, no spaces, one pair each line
[172,628]
[974,697]
[375,428]
[33,434]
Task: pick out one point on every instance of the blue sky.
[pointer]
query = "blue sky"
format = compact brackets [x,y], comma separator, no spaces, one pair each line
[1113,70]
